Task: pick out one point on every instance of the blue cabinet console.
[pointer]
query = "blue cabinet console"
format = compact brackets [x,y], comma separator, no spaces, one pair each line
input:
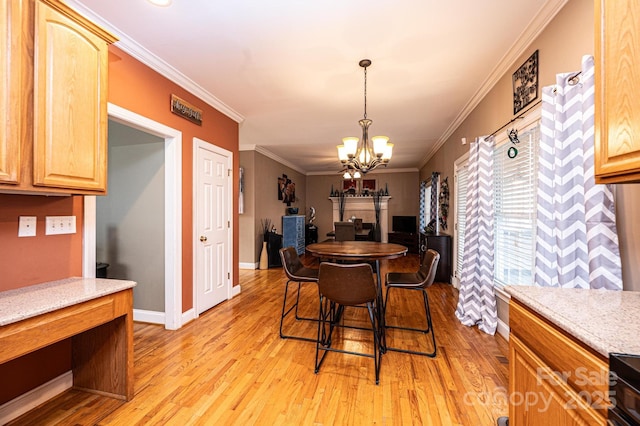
[293,232]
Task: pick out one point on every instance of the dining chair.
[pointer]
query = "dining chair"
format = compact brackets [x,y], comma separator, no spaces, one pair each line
[341,285]
[345,231]
[295,272]
[417,281]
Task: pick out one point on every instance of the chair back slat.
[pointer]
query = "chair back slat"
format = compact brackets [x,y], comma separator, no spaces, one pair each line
[293,267]
[347,284]
[345,231]
[290,261]
[429,267]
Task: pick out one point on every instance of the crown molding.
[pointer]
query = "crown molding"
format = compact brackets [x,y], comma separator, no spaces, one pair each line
[131,47]
[524,41]
[262,150]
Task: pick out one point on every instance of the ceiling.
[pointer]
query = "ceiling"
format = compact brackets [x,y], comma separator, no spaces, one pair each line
[287,70]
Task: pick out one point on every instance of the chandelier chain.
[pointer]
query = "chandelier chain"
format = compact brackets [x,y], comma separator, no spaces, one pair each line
[365,92]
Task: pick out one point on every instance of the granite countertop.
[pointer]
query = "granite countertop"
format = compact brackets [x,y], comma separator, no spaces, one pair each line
[27,302]
[607,321]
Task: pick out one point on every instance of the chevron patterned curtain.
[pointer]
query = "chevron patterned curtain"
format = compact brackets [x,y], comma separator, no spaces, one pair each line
[476,301]
[576,235]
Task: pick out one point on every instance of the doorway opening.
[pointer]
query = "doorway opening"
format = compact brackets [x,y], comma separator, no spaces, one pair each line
[170,184]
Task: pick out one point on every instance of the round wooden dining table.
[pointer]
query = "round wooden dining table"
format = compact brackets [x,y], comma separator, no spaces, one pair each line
[365,251]
[356,250]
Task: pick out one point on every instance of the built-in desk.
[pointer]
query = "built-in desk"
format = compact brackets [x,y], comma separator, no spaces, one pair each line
[97,314]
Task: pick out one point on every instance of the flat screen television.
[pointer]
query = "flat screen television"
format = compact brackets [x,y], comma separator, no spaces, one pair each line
[405,224]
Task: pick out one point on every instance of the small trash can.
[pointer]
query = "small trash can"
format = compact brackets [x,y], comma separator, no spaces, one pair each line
[101,270]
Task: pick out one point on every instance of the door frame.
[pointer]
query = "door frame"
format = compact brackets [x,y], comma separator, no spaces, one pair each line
[197,144]
[459,164]
[172,210]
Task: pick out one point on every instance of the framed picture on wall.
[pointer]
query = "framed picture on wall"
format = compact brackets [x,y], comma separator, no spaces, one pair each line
[368,185]
[525,83]
[349,186]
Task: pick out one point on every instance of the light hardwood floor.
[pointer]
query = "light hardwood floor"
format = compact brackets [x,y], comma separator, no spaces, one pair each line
[231,367]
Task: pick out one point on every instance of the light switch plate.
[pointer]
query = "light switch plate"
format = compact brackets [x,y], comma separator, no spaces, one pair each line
[27,226]
[56,225]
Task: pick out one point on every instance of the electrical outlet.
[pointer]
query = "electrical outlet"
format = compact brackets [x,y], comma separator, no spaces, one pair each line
[27,226]
[56,225]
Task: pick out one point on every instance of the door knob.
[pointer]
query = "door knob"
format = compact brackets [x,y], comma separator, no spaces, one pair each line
[203,238]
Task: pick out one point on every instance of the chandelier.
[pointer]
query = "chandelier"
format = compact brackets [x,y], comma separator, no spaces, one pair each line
[359,157]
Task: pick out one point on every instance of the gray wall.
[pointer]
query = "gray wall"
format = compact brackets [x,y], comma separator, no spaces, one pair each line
[246,221]
[260,201]
[130,219]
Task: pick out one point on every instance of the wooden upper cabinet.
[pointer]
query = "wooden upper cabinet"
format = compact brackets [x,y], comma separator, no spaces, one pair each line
[70,101]
[53,97]
[10,89]
[617,100]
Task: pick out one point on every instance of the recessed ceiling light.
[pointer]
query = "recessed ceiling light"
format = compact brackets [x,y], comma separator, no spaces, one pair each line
[162,3]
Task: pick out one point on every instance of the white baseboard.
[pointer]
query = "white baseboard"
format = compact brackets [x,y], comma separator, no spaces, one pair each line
[246,265]
[503,329]
[188,316]
[235,290]
[153,317]
[28,401]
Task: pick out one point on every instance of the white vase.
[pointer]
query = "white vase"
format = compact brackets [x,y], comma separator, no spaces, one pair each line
[264,257]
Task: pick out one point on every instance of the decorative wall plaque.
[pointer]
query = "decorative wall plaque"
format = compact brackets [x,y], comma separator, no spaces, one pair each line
[185,110]
[525,83]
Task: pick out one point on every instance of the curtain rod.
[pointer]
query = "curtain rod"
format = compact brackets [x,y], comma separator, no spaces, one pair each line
[572,80]
[521,115]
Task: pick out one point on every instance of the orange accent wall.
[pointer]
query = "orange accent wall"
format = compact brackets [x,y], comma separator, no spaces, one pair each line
[31,260]
[138,88]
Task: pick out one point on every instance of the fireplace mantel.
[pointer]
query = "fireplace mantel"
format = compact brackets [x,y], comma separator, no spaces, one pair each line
[362,207]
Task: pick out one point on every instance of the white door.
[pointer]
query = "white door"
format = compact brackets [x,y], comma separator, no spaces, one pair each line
[212,222]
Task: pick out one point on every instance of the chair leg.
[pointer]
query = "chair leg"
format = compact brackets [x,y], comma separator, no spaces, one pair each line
[429,328]
[326,320]
[284,307]
[429,323]
[377,354]
[323,341]
[298,317]
[286,312]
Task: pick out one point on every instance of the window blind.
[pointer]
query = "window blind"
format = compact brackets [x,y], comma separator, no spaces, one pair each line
[514,209]
[462,175]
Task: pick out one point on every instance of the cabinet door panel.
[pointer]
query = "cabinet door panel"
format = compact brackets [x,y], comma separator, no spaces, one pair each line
[617,136]
[69,103]
[539,397]
[10,96]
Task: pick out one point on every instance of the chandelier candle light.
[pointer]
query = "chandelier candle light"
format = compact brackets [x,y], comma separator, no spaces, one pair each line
[360,158]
